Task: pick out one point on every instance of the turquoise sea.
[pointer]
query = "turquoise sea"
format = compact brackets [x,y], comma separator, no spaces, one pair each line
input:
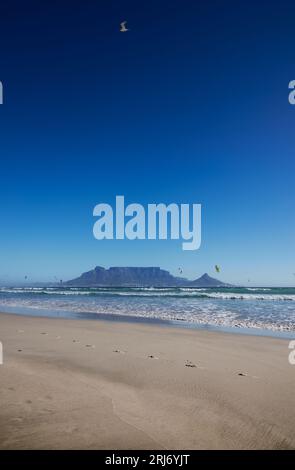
[259,310]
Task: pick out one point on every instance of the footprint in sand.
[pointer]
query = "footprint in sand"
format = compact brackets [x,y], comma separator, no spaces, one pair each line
[119,351]
[44,333]
[190,364]
[20,331]
[19,350]
[243,374]
[58,337]
[16,419]
[89,346]
[76,341]
[152,357]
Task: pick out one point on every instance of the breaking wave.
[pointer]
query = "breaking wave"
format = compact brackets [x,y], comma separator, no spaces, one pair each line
[270,309]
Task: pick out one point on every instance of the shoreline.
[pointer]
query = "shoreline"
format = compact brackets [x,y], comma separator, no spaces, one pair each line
[254,311]
[107,385]
[121,318]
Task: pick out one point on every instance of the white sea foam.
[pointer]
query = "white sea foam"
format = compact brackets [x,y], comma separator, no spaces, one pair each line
[233,295]
[271,309]
[153,292]
[273,316]
[258,288]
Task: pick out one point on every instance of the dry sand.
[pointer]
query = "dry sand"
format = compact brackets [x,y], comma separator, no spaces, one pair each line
[70,384]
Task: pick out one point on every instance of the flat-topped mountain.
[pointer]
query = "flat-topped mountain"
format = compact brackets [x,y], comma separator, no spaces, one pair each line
[139,277]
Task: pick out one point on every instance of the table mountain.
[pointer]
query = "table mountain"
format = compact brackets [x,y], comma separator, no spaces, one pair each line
[139,277]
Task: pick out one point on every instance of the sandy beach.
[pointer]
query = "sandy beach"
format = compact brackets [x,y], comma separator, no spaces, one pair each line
[71,384]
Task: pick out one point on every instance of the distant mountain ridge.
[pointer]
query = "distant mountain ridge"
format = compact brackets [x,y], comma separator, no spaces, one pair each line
[139,277]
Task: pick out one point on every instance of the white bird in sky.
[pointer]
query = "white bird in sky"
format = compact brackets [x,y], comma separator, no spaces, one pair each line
[123,28]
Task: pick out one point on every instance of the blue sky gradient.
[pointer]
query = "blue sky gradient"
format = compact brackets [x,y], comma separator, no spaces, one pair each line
[190,106]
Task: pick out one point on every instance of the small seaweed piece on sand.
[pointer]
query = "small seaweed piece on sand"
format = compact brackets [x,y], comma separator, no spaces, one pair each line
[190,364]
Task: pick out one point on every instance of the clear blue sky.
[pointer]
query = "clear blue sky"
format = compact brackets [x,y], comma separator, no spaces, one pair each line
[191,105]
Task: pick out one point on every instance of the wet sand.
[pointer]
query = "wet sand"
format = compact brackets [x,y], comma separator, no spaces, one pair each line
[71,384]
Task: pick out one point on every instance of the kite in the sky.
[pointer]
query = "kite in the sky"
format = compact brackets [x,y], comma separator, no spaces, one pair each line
[217,268]
[180,270]
[123,28]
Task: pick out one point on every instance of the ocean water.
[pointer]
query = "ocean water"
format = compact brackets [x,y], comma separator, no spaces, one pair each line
[271,310]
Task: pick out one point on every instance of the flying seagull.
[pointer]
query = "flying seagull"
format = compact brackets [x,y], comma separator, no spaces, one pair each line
[123,28]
